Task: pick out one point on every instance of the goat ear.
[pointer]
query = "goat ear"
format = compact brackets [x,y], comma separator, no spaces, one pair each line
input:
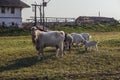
[32,28]
[97,41]
[37,27]
[40,29]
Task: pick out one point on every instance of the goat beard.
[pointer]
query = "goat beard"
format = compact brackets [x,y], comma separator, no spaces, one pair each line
[33,39]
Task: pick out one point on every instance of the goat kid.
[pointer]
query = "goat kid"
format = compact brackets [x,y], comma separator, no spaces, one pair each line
[89,44]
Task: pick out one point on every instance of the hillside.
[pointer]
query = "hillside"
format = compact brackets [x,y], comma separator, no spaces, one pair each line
[14,31]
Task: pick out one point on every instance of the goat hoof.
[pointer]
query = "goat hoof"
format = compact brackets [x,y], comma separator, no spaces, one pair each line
[40,59]
[64,53]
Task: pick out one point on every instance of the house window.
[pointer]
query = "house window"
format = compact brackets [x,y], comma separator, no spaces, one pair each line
[12,10]
[13,23]
[3,24]
[3,10]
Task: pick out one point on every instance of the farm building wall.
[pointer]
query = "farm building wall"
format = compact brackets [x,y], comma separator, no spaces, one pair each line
[94,20]
[7,18]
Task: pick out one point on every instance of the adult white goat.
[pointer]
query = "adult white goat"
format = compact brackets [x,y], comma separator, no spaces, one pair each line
[86,36]
[68,42]
[47,39]
[77,38]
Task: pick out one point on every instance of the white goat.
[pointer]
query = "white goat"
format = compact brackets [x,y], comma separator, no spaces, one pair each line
[89,44]
[68,41]
[86,36]
[77,38]
[45,39]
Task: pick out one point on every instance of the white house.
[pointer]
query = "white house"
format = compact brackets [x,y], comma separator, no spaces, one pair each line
[11,12]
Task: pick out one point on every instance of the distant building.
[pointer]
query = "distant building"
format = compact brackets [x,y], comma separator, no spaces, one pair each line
[54,21]
[94,20]
[11,12]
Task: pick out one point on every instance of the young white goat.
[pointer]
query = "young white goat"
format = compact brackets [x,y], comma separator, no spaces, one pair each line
[68,42]
[77,38]
[89,44]
[86,36]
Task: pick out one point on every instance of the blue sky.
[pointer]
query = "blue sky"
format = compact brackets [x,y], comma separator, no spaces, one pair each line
[75,8]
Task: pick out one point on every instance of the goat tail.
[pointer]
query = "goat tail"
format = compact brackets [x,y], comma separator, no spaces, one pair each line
[90,36]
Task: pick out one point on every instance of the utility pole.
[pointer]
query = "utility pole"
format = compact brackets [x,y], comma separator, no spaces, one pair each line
[99,13]
[44,5]
[42,13]
[35,13]
[35,16]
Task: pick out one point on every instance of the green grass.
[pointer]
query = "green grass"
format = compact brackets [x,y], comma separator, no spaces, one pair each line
[18,60]
[90,28]
[15,31]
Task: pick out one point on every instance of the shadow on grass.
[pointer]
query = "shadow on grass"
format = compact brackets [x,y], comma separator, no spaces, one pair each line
[81,52]
[19,63]
[23,62]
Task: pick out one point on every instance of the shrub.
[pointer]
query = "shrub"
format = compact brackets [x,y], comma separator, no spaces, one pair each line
[13,31]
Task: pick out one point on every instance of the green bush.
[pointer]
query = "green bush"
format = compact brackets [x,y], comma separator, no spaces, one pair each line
[13,31]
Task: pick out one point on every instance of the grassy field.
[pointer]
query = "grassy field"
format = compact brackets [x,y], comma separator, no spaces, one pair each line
[18,60]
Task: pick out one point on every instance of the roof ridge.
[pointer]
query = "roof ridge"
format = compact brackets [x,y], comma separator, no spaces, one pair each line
[13,3]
